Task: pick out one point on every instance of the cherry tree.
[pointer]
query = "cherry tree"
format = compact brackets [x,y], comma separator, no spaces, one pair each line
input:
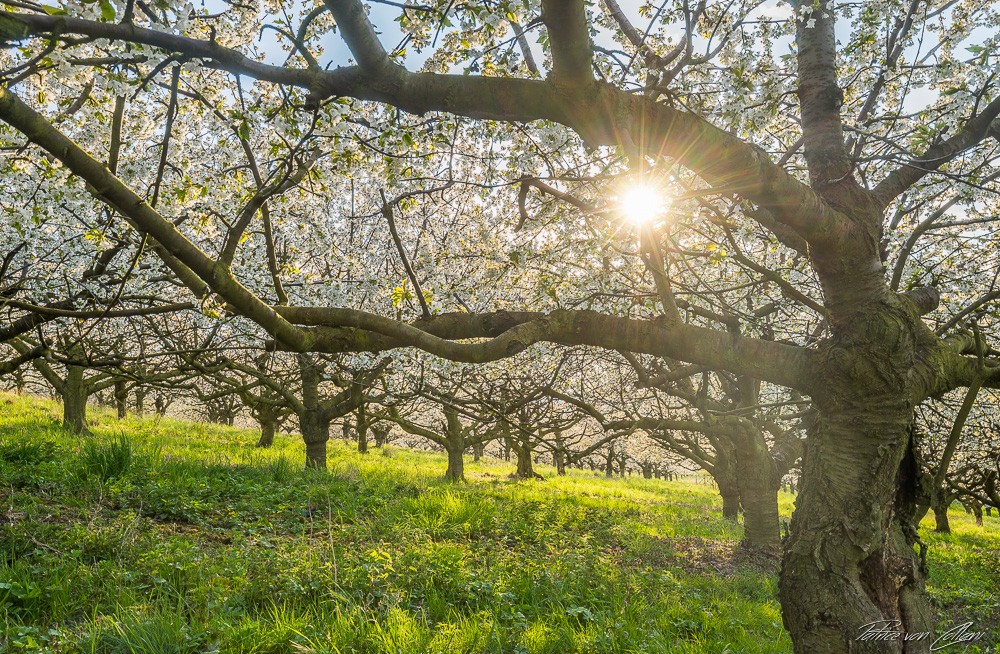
[700,103]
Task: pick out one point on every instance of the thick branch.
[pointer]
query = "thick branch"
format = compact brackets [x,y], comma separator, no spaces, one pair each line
[569,41]
[820,97]
[349,330]
[971,134]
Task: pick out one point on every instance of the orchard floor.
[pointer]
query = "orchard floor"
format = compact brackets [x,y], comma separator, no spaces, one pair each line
[158,535]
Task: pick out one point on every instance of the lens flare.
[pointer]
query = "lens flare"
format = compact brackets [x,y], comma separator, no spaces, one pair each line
[641,204]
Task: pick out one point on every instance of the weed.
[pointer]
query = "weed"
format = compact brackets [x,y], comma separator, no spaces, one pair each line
[108,459]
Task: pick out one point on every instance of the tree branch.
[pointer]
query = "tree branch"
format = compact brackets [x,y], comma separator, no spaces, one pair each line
[971,134]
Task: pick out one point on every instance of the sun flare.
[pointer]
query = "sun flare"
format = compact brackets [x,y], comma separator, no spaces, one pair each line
[641,203]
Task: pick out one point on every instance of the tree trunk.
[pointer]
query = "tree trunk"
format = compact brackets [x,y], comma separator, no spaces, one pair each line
[362,431]
[74,396]
[268,426]
[559,459]
[977,511]
[849,559]
[525,467]
[140,401]
[456,465]
[160,405]
[941,524]
[315,434]
[758,481]
[381,434]
[477,451]
[609,463]
[724,474]
[121,399]
[266,434]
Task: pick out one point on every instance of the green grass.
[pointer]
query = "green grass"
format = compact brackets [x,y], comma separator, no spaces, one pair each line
[165,536]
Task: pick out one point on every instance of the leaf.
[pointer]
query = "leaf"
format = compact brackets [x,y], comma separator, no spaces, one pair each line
[243,131]
[53,11]
[108,10]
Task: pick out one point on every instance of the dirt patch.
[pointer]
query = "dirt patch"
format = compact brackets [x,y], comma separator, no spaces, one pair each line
[697,555]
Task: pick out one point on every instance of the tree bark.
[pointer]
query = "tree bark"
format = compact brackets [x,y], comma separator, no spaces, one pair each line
[941,524]
[140,401]
[268,426]
[724,474]
[758,481]
[160,404]
[362,430]
[121,399]
[74,396]
[525,467]
[381,434]
[456,464]
[849,560]
[315,434]
[559,459]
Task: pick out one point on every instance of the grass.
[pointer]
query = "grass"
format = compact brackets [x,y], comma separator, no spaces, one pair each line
[158,536]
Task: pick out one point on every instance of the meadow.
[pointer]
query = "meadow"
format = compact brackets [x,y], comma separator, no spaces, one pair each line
[157,535]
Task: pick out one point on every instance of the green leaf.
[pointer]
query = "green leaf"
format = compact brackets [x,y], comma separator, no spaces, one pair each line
[53,11]
[108,10]
[243,131]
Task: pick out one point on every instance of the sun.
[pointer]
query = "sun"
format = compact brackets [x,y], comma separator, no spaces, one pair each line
[641,204]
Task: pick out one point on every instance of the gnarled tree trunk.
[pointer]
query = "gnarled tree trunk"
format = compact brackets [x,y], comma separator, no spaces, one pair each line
[849,561]
[525,466]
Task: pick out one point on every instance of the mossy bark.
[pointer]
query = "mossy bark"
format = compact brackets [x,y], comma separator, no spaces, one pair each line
[758,481]
[850,560]
[315,434]
[456,464]
[941,524]
[74,396]
[724,474]
[268,421]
